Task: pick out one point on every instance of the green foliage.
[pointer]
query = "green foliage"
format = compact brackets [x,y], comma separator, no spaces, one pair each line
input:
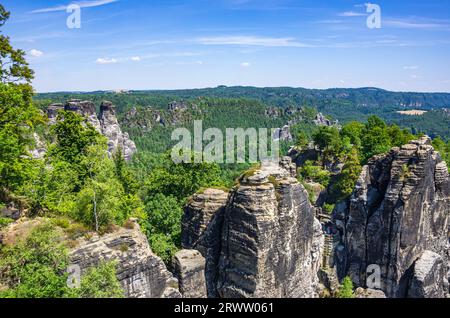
[444,149]
[14,68]
[302,140]
[33,268]
[182,180]
[4,222]
[328,208]
[17,119]
[311,172]
[100,282]
[346,289]
[346,181]
[163,225]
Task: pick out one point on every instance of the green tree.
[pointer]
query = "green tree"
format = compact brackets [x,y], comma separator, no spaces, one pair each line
[346,289]
[302,140]
[376,139]
[348,177]
[101,282]
[32,268]
[163,225]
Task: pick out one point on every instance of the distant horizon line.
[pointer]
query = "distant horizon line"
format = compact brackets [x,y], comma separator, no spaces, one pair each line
[236,86]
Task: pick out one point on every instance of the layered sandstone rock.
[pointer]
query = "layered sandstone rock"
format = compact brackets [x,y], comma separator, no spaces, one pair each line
[141,273]
[271,242]
[189,268]
[398,213]
[202,230]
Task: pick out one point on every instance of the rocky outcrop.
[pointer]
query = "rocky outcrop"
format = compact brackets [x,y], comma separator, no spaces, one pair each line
[106,123]
[141,273]
[269,242]
[396,217]
[111,129]
[86,109]
[202,230]
[272,243]
[189,268]
[321,120]
[429,277]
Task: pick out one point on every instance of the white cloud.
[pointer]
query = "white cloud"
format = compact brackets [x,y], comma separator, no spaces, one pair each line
[352,14]
[136,59]
[416,24]
[82,4]
[251,41]
[411,67]
[106,60]
[246,64]
[36,53]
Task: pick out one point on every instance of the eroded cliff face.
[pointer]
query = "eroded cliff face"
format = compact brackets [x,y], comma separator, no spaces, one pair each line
[141,273]
[397,219]
[270,242]
[106,123]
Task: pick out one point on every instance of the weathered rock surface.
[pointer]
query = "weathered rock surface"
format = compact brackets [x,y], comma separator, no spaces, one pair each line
[189,268]
[202,230]
[111,129]
[262,240]
[399,209]
[141,273]
[106,123]
[369,293]
[271,241]
[429,277]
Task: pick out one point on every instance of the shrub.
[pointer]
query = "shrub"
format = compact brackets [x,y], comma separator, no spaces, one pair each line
[346,289]
[101,282]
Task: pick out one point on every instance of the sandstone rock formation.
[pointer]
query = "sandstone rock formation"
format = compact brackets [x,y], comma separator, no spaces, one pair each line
[271,244]
[106,123]
[111,129]
[189,268]
[141,273]
[397,218]
[202,230]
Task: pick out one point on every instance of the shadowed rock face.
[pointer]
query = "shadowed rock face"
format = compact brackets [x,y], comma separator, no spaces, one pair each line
[189,268]
[398,211]
[202,230]
[141,273]
[266,235]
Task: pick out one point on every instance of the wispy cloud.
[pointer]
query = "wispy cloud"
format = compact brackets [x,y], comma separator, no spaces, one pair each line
[246,64]
[352,14]
[82,4]
[106,60]
[417,24]
[251,41]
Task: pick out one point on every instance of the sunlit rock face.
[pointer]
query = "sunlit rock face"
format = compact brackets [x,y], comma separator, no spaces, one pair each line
[106,123]
[396,218]
[111,129]
[261,240]
[140,272]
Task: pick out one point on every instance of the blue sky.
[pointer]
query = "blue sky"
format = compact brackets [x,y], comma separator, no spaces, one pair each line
[168,44]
